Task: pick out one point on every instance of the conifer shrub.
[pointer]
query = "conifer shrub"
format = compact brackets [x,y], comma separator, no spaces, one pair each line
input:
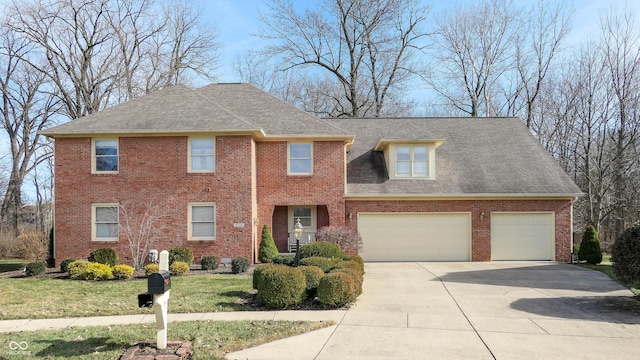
[312,274]
[336,289]
[105,256]
[625,256]
[64,265]
[78,269]
[257,274]
[324,263]
[179,268]
[35,268]
[209,263]
[151,269]
[98,271]
[282,287]
[590,250]
[239,265]
[180,253]
[322,249]
[268,249]
[122,271]
[285,259]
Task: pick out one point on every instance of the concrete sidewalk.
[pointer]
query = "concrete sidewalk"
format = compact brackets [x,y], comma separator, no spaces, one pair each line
[61,323]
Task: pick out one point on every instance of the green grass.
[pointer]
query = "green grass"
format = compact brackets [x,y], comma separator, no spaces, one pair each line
[11,264]
[606,267]
[38,298]
[211,340]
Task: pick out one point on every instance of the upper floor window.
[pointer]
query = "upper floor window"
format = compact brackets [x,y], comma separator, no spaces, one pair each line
[105,222]
[412,160]
[202,155]
[105,156]
[300,159]
[202,221]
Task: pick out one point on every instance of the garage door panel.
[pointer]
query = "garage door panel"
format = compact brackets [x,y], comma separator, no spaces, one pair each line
[415,237]
[522,236]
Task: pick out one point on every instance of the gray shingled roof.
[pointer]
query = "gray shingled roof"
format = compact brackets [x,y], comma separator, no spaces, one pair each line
[481,156]
[213,108]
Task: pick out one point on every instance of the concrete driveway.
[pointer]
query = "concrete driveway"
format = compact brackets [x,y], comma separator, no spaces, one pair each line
[498,310]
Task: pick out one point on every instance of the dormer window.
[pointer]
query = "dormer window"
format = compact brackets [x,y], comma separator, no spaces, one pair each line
[410,159]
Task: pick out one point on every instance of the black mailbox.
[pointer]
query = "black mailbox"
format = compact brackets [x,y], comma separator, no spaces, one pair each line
[145,300]
[159,283]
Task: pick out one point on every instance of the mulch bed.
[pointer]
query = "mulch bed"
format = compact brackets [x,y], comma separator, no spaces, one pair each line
[147,350]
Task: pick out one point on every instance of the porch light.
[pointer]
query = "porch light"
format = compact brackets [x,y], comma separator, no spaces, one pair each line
[297,230]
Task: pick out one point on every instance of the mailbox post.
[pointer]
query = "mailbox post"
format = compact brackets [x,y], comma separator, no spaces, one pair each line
[157,297]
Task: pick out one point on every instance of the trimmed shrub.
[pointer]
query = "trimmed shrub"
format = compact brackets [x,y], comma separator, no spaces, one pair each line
[180,253]
[355,274]
[64,265]
[78,269]
[282,287]
[179,268]
[348,239]
[326,264]
[106,256]
[625,256]
[590,250]
[257,274]
[239,265]
[32,245]
[35,268]
[336,289]
[122,272]
[318,248]
[209,263]
[268,249]
[357,259]
[288,259]
[151,268]
[312,274]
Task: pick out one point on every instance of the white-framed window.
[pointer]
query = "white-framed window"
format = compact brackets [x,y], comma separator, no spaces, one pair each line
[202,221]
[202,154]
[412,161]
[300,159]
[105,154]
[105,222]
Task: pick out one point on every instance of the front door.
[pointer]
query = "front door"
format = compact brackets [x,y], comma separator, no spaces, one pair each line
[307,214]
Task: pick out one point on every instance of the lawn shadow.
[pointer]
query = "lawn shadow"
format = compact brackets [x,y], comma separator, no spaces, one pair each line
[614,309]
[63,348]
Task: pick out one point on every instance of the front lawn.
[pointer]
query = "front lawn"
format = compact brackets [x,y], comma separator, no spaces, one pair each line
[606,267]
[211,340]
[39,298]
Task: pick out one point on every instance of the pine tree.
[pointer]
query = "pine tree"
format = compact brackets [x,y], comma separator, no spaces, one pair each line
[590,247]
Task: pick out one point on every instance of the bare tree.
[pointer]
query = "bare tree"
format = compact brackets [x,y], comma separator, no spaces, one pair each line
[361,51]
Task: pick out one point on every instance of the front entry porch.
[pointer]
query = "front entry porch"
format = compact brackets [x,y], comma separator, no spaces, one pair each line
[312,218]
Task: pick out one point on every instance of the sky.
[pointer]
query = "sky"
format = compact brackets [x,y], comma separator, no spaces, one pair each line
[237,22]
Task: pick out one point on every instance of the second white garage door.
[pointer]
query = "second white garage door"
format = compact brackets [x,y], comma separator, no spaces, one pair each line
[522,236]
[415,236]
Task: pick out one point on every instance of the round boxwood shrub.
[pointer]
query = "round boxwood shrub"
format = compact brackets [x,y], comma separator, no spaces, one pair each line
[78,269]
[625,256]
[151,268]
[64,265]
[320,248]
[336,289]
[287,259]
[355,274]
[35,268]
[209,263]
[282,287]
[257,274]
[239,265]
[268,249]
[312,274]
[326,264]
[122,271]
[106,256]
[356,258]
[180,253]
[179,268]
[590,250]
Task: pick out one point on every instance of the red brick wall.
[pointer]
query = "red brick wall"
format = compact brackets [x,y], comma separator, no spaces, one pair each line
[155,169]
[324,187]
[481,229]
[280,229]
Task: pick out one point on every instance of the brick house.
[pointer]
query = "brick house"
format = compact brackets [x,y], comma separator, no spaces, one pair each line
[223,160]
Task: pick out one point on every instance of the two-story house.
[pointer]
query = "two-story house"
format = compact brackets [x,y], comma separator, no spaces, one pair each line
[220,161]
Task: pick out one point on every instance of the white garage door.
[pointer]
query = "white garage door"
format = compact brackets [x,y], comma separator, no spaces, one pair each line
[415,236]
[522,236]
